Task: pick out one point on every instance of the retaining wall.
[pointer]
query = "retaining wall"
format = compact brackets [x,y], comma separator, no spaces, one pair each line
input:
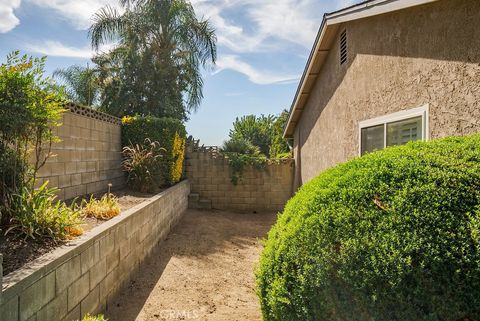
[89,155]
[83,276]
[258,190]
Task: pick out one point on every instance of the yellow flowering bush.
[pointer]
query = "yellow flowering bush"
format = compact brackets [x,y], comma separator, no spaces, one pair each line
[127,120]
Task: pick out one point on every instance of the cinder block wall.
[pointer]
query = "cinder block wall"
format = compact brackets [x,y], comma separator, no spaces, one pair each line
[258,190]
[89,155]
[85,275]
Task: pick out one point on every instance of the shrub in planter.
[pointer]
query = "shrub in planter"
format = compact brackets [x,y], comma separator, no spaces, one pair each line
[143,165]
[393,235]
[171,135]
[105,208]
[39,215]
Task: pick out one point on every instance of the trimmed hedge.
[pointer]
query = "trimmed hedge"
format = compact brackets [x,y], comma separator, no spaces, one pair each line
[393,235]
[171,135]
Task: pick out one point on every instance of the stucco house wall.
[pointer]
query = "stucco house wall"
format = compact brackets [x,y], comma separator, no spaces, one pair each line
[425,55]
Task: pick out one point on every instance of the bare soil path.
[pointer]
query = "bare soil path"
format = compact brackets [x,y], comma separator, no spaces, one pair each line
[203,271]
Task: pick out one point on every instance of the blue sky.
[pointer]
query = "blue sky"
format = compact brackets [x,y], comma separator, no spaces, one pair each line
[263,46]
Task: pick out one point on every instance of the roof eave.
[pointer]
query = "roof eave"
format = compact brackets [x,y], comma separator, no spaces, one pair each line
[302,80]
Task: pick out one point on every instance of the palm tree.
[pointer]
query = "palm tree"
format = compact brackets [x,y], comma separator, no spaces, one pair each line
[81,84]
[161,47]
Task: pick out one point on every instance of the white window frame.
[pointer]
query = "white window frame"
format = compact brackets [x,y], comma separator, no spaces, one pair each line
[422,111]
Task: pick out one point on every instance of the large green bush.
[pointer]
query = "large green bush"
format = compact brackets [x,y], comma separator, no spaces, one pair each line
[31,106]
[393,235]
[171,135]
[12,180]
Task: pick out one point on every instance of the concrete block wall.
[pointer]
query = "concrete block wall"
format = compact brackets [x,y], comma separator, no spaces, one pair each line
[258,190]
[89,155]
[85,275]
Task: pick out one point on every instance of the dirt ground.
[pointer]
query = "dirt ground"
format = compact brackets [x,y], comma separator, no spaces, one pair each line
[203,271]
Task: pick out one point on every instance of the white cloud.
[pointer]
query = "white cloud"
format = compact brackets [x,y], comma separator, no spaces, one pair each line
[256,76]
[256,27]
[8,20]
[77,12]
[57,49]
[295,21]
[242,26]
[272,25]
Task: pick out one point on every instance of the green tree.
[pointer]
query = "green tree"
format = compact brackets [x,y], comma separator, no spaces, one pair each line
[279,147]
[264,132]
[31,105]
[241,153]
[81,84]
[255,129]
[156,67]
[240,146]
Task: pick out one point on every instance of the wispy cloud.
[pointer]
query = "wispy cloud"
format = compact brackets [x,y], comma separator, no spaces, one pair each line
[260,77]
[57,49]
[8,20]
[76,12]
[266,25]
[257,27]
[244,28]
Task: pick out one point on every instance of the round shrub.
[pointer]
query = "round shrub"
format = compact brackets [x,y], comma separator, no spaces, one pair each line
[393,235]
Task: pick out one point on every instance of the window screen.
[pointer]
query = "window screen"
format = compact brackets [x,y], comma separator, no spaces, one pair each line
[396,132]
[373,138]
[402,132]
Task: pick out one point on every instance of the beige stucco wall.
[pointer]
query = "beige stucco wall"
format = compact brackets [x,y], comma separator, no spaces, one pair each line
[88,157]
[398,61]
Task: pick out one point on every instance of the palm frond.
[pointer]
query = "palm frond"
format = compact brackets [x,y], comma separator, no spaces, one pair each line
[81,83]
[108,24]
[164,46]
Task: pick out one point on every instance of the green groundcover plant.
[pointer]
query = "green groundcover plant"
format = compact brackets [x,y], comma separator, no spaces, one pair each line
[393,235]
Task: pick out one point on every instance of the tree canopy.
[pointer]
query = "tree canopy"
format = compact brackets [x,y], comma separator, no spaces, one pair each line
[264,132]
[155,67]
[31,105]
[81,84]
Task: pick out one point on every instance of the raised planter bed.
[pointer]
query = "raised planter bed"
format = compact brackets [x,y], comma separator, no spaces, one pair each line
[81,276]
[17,251]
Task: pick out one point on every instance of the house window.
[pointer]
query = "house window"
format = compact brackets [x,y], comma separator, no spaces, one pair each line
[343,47]
[394,129]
